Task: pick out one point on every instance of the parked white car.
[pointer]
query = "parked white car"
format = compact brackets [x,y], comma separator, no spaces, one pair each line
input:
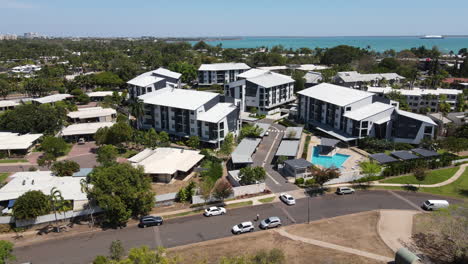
[242,228]
[214,210]
[287,199]
[344,190]
[435,204]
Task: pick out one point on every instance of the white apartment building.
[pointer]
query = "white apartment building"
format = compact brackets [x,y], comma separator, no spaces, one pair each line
[185,113]
[418,98]
[152,81]
[356,80]
[261,89]
[349,114]
[220,73]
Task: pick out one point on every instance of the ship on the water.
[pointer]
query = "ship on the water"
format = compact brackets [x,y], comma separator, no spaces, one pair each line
[432,37]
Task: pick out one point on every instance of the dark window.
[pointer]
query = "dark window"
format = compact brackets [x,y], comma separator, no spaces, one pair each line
[428,130]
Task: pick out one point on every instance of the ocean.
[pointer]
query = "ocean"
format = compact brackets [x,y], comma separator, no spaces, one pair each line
[375,43]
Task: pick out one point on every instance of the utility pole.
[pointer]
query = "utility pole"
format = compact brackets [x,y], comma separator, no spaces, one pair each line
[308,210]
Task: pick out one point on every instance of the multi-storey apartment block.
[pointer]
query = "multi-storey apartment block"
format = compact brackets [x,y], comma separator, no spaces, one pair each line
[349,114]
[152,81]
[185,113]
[356,80]
[261,89]
[423,99]
[220,73]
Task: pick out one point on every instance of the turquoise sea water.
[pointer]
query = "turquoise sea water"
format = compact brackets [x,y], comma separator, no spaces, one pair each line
[375,43]
[325,161]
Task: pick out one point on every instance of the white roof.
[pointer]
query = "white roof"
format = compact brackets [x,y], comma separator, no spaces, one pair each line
[216,113]
[91,112]
[165,72]
[354,76]
[335,94]
[270,79]
[419,117]
[252,73]
[223,66]
[12,141]
[8,103]
[178,98]
[312,67]
[166,160]
[52,98]
[23,182]
[274,68]
[101,94]
[145,79]
[84,128]
[415,91]
[368,111]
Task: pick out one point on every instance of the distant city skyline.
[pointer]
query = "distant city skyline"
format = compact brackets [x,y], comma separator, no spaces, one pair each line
[210,18]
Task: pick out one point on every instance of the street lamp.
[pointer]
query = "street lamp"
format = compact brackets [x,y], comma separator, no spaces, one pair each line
[308,209]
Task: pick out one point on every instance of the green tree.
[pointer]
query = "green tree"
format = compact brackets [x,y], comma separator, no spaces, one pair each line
[107,154]
[119,133]
[188,71]
[31,205]
[370,169]
[299,84]
[65,168]
[193,142]
[222,189]
[100,260]
[122,191]
[137,109]
[250,131]
[101,135]
[164,140]
[323,175]
[108,79]
[83,99]
[420,174]
[54,146]
[31,118]
[57,203]
[340,55]
[252,175]
[37,87]
[152,138]
[46,160]
[6,252]
[5,88]
[201,45]
[228,145]
[117,250]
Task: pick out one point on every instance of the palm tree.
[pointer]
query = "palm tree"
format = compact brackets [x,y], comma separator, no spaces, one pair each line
[85,189]
[137,109]
[56,196]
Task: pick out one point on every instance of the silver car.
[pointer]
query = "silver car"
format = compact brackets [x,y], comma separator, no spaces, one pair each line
[270,222]
[287,199]
[344,190]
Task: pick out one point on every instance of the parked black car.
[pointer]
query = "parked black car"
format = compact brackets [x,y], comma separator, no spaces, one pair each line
[150,221]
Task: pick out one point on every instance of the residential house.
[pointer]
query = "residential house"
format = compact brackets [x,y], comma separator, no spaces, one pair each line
[356,80]
[185,113]
[93,114]
[152,81]
[17,144]
[100,95]
[349,114]
[8,105]
[265,90]
[84,131]
[422,100]
[220,73]
[242,155]
[297,168]
[51,99]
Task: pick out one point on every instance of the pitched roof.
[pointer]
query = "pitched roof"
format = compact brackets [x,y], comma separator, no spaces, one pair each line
[165,72]
[415,91]
[12,141]
[84,128]
[335,94]
[216,113]
[166,160]
[293,133]
[223,66]
[252,73]
[354,76]
[270,79]
[298,163]
[330,142]
[100,93]
[145,79]
[8,103]
[419,117]
[244,151]
[288,148]
[178,98]
[52,98]
[92,112]
[368,111]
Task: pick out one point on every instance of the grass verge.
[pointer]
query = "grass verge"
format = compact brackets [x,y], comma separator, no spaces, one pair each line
[13,161]
[3,176]
[433,177]
[266,200]
[240,204]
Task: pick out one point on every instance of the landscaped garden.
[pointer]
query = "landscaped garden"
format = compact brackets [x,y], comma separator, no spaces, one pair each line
[433,177]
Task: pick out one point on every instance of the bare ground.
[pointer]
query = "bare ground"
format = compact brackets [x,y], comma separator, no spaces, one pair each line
[175,186]
[296,252]
[358,231]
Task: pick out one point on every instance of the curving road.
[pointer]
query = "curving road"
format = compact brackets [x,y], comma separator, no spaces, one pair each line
[83,248]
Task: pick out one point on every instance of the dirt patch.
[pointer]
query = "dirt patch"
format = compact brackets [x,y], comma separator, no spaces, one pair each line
[420,223]
[358,231]
[175,186]
[296,252]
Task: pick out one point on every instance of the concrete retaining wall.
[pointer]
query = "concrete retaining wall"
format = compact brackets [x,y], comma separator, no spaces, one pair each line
[249,189]
[51,217]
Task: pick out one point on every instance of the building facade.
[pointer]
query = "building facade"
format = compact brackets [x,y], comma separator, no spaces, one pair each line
[265,90]
[185,113]
[220,73]
[152,81]
[349,114]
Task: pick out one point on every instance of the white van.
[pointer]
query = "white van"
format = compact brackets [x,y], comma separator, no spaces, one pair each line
[435,204]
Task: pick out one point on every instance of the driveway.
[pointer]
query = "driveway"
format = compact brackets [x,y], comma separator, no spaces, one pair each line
[265,154]
[186,230]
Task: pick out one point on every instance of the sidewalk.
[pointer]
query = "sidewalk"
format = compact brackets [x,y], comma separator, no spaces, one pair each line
[395,227]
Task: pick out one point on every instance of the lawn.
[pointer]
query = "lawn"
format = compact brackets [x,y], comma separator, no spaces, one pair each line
[239,204]
[13,161]
[432,177]
[267,200]
[3,176]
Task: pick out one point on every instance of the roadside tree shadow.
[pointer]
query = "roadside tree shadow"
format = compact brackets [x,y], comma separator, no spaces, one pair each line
[410,188]
[315,191]
[463,192]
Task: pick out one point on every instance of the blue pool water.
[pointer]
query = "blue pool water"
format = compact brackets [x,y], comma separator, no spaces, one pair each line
[328,161]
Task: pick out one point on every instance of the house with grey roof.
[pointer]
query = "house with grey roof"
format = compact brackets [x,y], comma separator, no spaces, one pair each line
[262,89]
[356,80]
[297,168]
[183,113]
[152,81]
[220,73]
[349,114]
[242,155]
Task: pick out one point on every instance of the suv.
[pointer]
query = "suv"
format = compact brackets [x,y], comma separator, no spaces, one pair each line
[150,221]
[214,211]
[270,222]
[81,141]
[287,199]
[242,228]
[344,190]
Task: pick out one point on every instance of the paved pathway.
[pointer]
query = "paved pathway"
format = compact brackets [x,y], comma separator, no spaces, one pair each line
[395,227]
[319,243]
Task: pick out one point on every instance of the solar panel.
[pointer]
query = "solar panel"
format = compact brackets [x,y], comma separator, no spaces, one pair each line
[425,152]
[404,155]
[383,158]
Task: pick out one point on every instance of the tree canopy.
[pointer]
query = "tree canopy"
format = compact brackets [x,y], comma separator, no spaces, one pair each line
[31,205]
[31,118]
[65,168]
[251,175]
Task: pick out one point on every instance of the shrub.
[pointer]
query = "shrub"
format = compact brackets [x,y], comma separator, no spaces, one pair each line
[299,181]
[310,182]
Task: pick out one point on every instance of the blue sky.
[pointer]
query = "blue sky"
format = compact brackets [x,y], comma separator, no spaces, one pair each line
[164,18]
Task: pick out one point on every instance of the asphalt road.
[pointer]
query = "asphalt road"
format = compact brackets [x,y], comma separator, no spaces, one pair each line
[83,248]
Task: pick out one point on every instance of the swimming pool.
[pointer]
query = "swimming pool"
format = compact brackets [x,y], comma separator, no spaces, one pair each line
[328,161]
